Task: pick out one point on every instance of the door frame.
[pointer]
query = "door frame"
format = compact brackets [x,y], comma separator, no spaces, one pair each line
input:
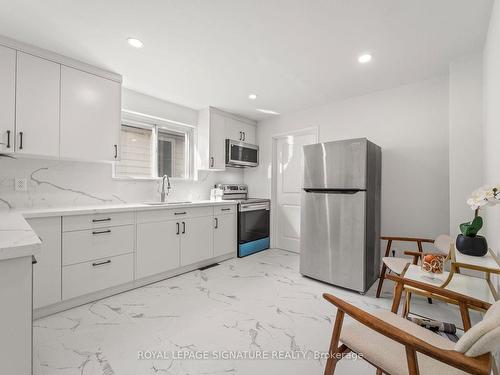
[313,130]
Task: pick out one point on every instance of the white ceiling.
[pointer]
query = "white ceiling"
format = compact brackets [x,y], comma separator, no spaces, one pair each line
[292,53]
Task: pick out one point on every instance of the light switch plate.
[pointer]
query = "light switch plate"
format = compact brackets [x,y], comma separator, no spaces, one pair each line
[20,184]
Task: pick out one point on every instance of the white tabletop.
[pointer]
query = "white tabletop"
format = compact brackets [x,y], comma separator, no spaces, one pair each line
[487,262]
[467,285]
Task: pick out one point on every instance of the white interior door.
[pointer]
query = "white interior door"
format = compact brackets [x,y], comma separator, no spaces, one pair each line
[289,162]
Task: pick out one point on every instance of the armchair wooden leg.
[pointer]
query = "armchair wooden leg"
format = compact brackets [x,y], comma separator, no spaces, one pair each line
[411,359]
[384,269]
[334,348]
[464,312]
[381,280]
[379,372]
[398,291]
[406,308]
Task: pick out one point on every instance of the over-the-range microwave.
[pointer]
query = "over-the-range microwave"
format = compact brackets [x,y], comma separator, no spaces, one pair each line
[240,154]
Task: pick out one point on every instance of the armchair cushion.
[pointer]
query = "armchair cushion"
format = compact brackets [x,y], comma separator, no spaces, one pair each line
[484,337]
[389,354]
[396,265]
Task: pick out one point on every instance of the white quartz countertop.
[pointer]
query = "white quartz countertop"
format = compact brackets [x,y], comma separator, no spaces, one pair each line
[17,239]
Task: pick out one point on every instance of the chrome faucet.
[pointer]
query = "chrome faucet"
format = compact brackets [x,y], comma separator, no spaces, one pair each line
[163,193]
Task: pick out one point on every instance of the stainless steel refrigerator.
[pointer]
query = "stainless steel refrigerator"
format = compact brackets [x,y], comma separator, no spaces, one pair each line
[340,213]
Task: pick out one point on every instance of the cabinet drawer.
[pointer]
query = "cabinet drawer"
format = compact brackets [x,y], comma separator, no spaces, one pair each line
[85,245]
[173,214]
[226,209]
[81,222]
[88,277]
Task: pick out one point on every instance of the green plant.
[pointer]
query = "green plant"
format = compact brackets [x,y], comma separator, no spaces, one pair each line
[471,228]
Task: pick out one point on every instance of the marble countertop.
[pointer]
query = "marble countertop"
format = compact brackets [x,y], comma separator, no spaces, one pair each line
[17,239]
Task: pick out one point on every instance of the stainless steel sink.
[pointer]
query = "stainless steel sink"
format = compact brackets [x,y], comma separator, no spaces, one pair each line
[165,203]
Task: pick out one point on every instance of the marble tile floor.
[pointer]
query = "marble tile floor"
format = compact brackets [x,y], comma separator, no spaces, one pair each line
[258,304]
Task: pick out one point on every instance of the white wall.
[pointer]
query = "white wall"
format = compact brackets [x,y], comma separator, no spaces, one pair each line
[142,103]
[410,123]
[491,130]
[465,136]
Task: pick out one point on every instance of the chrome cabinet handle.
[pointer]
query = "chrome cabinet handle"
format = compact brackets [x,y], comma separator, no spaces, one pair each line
[116,151]
[101,263]
[20,140]
[180,213]
[183,227]
[178,228]
[212,162]
[101,220]
[225,209]
[244,135]
[102,232]
[241,136]
[216,223]
[8,138]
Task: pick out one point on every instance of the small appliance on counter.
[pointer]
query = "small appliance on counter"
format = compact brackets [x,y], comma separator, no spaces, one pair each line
[253,219]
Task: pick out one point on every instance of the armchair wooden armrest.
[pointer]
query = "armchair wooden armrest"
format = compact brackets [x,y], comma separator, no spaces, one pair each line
[480,365]
[406,239]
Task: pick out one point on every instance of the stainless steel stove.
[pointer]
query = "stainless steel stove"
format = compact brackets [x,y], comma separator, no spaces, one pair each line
[253,219]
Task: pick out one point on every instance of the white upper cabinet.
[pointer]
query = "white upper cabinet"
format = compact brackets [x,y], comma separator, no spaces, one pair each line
[239,130]
[217,141]
[214,128]
[37,106]
[7,98]
[90,116]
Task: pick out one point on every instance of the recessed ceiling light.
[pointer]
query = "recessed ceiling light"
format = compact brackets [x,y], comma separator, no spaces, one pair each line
[135,42]
[365,58]
[252,96]
[267,111]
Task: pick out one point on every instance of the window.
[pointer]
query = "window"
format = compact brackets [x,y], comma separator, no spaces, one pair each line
[152,150]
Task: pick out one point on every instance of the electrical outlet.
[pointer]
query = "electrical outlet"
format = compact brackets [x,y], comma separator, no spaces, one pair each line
[20,184]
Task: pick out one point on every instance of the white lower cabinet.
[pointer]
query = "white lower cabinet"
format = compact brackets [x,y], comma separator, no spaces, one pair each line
[158,247]
[225,234]
[84,245]
[47,270]
[85,254]
[83,278]
[196,240]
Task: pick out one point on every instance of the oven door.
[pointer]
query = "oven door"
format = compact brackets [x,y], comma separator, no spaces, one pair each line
[253,222]
[240,154]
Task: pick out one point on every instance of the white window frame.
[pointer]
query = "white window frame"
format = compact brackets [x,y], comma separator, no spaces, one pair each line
[155,124]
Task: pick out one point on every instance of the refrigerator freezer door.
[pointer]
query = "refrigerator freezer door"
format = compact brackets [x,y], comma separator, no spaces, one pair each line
[333,238]
[336,165]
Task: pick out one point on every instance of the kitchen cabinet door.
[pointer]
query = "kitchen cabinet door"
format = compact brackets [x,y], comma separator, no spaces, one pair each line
[7,98]
[225,235]
[240,130]
[217,154]
[37,106]
[47,270]
[196,239]
[157,248]
[90,116]
[248,133]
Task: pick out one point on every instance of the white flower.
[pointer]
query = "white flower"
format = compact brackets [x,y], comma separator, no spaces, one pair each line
[487,194]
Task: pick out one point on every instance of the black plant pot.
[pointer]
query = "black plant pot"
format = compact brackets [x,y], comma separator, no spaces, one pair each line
[475,246]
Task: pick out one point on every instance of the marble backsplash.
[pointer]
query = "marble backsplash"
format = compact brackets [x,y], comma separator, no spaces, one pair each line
[55,183]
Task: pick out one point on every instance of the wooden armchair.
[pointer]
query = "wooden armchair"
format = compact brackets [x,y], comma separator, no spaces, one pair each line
[397,264]
[383,338]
